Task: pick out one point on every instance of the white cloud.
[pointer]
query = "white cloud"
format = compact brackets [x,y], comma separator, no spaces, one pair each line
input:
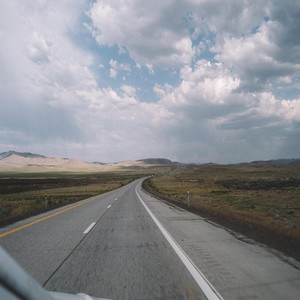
[119,66]
[38,50]
[116,66]
[162,90]
[205,83]
[113,73]
[258,39]
[254,59]
[41,69]
[208,115]
[121,126]
[221,110]
[129,90]
[150,68]
[153,33]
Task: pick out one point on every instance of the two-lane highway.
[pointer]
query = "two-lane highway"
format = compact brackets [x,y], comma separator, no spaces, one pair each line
[125,256]
[128,245]
[109,247]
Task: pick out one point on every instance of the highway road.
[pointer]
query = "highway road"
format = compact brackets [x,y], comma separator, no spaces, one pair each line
[126,244]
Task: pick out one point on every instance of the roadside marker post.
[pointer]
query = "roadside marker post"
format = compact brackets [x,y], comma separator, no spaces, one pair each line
[46,200]
[188,198]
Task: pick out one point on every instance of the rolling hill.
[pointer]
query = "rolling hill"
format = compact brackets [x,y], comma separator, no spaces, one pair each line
[13,161]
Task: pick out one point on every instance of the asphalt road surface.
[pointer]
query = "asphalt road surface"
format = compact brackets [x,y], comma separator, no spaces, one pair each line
[127,244]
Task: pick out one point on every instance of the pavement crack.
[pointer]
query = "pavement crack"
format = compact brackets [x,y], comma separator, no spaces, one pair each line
[74,249]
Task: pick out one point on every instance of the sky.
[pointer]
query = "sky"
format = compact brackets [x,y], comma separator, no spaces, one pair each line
[190,80]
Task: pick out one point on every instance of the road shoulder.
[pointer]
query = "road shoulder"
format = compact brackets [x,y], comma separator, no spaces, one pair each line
[236,267]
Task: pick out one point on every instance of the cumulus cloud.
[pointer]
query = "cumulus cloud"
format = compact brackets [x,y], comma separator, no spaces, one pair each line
[257,39]
[38,50]
[119,66]
[116,66]
[41,71]
[231,60]
[286,19]
[129,90]
[209,115]
[159,37]
[113,73]
[255,59]
[50,99]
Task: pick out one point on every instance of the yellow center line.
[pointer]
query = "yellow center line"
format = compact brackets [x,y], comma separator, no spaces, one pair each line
[43,219]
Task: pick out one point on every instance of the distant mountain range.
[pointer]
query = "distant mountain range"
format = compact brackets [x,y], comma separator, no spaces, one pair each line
[29,162]
[23,154]
[278,161]
[157,161]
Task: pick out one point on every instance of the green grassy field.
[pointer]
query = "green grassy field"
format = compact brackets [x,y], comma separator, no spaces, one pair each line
[261,201]
[23,195]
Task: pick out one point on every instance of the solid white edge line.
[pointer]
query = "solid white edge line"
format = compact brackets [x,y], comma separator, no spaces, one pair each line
[89,228]
[210,292]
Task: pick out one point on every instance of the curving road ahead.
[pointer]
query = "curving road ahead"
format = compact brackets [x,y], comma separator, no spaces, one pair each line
[128,245]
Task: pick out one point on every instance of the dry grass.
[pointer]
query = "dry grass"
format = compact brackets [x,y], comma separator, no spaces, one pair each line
[25,196]
[262,201]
